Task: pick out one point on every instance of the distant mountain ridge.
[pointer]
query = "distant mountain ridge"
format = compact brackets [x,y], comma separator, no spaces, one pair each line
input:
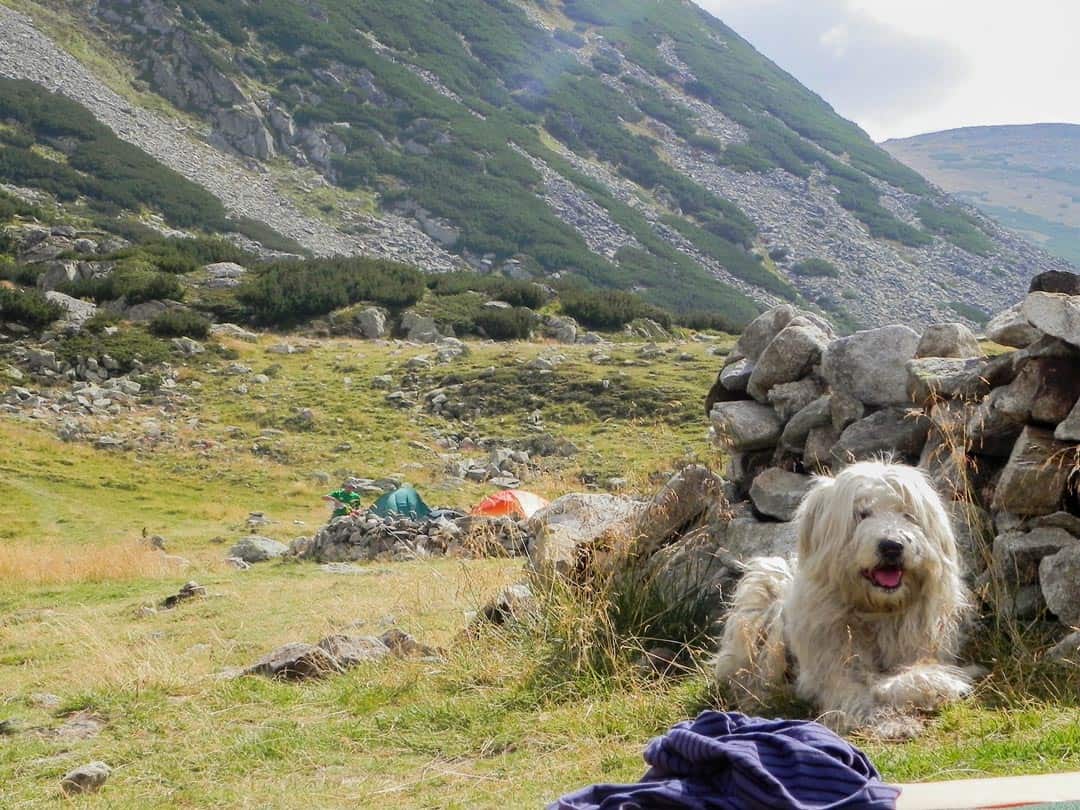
[641,145]
[1027,176]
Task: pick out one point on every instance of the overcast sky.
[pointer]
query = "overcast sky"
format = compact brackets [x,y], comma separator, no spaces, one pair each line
[904,67]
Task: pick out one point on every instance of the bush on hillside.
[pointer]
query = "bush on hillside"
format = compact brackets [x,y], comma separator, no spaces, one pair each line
[180,323]
[609,309]
[514,292]
[289,292]
[134,281]
[125,346]
[28,307]
[506,324]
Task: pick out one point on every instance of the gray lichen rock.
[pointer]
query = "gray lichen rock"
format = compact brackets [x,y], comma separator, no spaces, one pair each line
[788,399]
[871,366]
[295,662]
[85,779]
[935,378]
[1054,314]
[817,414]
[1059,576]
[744,426]
[372,323]
[948,340]
[791,355]
[350,651]
[253,549]
[760,332]
[1036,475]
[1017,555]
[886,431]
[736,376]
[1011,328]
[778,493]
[574,522]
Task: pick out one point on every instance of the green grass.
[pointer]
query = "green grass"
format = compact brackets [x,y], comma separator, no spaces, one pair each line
[504,720]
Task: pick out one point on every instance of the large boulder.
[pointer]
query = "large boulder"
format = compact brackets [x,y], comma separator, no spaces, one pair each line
[76,311]
[948,340]
[871,365]
[778,493]
[564,531]
[1011,328]
[1056,281]
[790,356]
[744,426]
[1068,430]
[760,332]
[419,328]
[1036,476]
[85,779]
[253,549]
[679,503]
[562,329]
[1044,391]
[371,322]
[933,378]
[886,431]
[991,429]
[1054,314]
[1059,576]
[746,537]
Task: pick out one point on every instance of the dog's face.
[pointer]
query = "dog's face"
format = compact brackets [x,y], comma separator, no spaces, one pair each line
[877,534]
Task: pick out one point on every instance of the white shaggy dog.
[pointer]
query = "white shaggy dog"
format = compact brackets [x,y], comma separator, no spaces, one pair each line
[869,615]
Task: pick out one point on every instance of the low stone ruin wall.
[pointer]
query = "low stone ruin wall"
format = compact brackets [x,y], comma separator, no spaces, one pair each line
[366,536]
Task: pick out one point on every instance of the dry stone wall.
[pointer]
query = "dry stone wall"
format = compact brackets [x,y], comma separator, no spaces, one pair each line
[997,434]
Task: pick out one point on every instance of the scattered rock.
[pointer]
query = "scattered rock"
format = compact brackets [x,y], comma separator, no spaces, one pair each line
[350,651]
[744,426]
[192,590]
[295,662]
[85,779]
[1054,314]
[778,493]
[1059,576]
[1011,328]
[1037,473]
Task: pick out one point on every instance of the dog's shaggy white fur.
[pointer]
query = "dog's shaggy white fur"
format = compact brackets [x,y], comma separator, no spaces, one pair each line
[869,615]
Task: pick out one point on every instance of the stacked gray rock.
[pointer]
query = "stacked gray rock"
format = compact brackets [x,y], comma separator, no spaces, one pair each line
[366,536]
[997,435]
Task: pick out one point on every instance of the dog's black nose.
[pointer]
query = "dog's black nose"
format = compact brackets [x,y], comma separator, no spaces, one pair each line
[890,549]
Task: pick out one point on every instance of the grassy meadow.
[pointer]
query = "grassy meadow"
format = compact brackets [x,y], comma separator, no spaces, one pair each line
[504,719]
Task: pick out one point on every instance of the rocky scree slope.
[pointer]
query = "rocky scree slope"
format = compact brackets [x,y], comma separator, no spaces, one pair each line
[639,145]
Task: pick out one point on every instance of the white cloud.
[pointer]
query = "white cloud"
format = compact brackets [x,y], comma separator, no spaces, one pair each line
[900,67]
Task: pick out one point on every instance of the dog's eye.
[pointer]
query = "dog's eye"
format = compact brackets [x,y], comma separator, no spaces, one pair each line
[862,514]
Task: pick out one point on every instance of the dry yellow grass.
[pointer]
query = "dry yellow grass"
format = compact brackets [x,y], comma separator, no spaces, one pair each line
[29,564]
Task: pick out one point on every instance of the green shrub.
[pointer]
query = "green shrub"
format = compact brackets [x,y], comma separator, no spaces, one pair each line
[512,291]
[506,324]
[101,319]
[972,313]
[28,307]
[956,226]
[609,309]
[816,267]
[24,274]
[180,323]
[285,293]
[135,281]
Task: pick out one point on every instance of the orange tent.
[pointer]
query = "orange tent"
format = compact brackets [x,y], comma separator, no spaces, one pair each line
[513,502]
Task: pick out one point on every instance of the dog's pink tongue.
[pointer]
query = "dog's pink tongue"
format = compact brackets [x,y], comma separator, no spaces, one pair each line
[887,577]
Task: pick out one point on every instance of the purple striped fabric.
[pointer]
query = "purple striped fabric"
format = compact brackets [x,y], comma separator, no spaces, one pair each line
[728,761]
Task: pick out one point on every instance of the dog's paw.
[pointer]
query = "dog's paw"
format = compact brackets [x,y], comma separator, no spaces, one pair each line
[892,727]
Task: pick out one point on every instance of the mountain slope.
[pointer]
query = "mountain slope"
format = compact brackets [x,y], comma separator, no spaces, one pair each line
[1028,177]
[638,145]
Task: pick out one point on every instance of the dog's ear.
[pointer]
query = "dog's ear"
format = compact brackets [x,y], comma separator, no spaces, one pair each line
[812,513]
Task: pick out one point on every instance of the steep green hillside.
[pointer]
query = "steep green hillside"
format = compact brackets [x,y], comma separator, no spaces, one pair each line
[635,145]
[1028,177]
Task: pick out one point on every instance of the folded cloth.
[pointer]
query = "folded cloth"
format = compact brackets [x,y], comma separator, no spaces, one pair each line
[728,761]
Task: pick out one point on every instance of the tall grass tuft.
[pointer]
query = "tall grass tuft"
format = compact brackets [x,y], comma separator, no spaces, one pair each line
[27,564]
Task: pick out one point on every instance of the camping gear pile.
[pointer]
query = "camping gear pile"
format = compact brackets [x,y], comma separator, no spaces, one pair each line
[401,526]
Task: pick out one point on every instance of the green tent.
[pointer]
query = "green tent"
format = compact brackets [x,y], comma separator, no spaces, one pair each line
[404,501]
